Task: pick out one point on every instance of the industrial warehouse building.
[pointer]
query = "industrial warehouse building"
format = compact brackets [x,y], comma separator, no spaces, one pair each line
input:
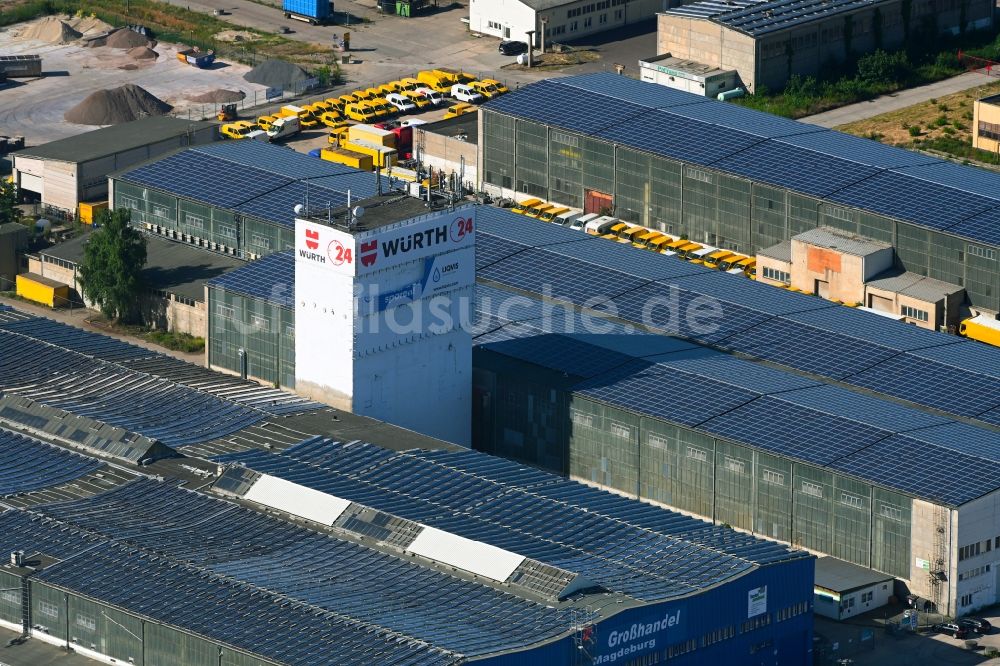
[235,197]
[558,20]
[736,178]
[65,173]
[805,439]
[769,42]
[122,550]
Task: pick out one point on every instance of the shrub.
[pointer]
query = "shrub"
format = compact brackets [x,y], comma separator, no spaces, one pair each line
[914,130]
[883,67]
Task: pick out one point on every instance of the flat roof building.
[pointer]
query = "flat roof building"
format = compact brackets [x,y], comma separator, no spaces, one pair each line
[738,179]
[235,197]
[768,42]
[844,590]
[687,75]
[174,279]
[187,560]
[451,146]
[62,174]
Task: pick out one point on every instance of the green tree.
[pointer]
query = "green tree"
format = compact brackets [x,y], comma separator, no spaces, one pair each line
[886,68]
[111,271]
[9,212]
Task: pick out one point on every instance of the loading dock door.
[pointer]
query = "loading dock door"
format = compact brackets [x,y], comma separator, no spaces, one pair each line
[30,182]
[595,202]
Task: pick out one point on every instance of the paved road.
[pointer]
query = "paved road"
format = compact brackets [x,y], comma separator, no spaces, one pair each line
[899,100]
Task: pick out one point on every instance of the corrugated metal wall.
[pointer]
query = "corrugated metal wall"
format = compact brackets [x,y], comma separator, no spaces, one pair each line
[123,636]
[266,331]
[709,206]
[663,462]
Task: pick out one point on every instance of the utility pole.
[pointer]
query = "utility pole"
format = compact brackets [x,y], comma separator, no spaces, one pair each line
[545,24]
[531,47]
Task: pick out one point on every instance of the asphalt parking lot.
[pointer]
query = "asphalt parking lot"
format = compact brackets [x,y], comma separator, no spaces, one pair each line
[36,653]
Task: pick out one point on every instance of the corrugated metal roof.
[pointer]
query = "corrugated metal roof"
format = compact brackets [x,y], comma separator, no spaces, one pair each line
[916,286]
[782,251]
[842,241]
[840,576]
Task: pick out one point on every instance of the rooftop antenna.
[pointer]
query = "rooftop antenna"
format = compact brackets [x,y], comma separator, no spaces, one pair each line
[430,182]
[307,198]
[350,219]
[329,213]
[378,181]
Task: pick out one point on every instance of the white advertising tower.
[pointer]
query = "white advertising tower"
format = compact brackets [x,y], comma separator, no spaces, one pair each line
[382,290]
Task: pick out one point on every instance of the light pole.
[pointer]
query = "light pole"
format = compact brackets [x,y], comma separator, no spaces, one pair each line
[531,48]
[545,23]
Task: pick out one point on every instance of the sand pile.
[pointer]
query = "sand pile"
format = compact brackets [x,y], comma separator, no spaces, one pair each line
[276,74]
[126,39]
[218,96]
[52,30]
[118,105]
[89,25]
[142,53]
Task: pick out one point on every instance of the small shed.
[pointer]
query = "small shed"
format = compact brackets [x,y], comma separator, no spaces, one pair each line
[843,590]
[32,287]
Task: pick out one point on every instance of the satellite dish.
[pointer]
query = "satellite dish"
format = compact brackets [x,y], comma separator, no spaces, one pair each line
[358,211]
[298,209]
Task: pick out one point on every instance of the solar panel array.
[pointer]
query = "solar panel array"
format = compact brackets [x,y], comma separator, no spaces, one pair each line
[225,551]
[819,424]
[252,178]
[803,158]
[27,464]
[140,391]
[270,279]
[622,545]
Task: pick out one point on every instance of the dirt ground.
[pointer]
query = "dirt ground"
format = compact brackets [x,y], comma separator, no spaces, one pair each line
[950,115]
[34,108]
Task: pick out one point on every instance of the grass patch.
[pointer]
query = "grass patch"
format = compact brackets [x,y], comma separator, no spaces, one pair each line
[176,341]
[924,127]
[875,74]
[171,23]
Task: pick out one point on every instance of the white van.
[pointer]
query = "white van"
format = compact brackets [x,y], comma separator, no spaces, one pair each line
[433,96]
[464,93]
[568,218]
[700,254]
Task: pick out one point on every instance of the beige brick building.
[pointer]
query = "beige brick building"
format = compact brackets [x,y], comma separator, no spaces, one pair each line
[768,42]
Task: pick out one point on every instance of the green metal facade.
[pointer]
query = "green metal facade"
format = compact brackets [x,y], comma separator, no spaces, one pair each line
[264,330]
[168,213]
[123,636]
[710,206]
[520,415]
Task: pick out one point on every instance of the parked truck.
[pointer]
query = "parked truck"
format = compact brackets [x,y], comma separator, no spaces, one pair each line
[196,57]
[315,12]
[981,328]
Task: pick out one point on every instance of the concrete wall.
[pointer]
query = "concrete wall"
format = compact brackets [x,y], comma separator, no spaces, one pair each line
[851,603]
[941,313]
[708,87]
[774,264]
[844,274]
[977,522]
[986,126]
[446,152]
[807,49]
[932,547]
[510,19]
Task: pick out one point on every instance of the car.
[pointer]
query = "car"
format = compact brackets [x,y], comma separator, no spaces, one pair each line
[976,624]
[496,85]
[239,129]
[951,629]
[412,122]
[409,84]
[512,48]
[464,93]
[432,96]
[401,102]
[418,100]
[332,119]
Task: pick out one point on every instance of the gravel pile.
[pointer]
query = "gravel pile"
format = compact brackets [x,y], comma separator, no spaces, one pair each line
[118,105]
[218,96]
[142,53]
[276,74]
[52,30]
[126,39]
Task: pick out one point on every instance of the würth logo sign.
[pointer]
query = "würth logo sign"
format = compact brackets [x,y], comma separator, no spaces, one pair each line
[312,239]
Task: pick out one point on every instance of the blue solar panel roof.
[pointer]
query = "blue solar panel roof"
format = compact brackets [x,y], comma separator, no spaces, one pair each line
[271,278]
[279,204]
[547,102]
[780,164]
[630,90]
[281,160]
[625,258]
[978,182]
[206,178]
[750,121]
[895,194]
[677,137]
[856,149]
[985,227]
[863,408]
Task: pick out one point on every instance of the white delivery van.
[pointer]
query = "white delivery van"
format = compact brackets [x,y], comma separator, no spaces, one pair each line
[464,93]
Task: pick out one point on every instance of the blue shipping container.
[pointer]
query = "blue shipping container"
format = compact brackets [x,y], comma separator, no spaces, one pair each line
[317,9]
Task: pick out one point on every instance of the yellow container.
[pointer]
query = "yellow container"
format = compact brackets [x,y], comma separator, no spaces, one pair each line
[372,134]
[40,289]
[89,210]
[351,159]
[382,156]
